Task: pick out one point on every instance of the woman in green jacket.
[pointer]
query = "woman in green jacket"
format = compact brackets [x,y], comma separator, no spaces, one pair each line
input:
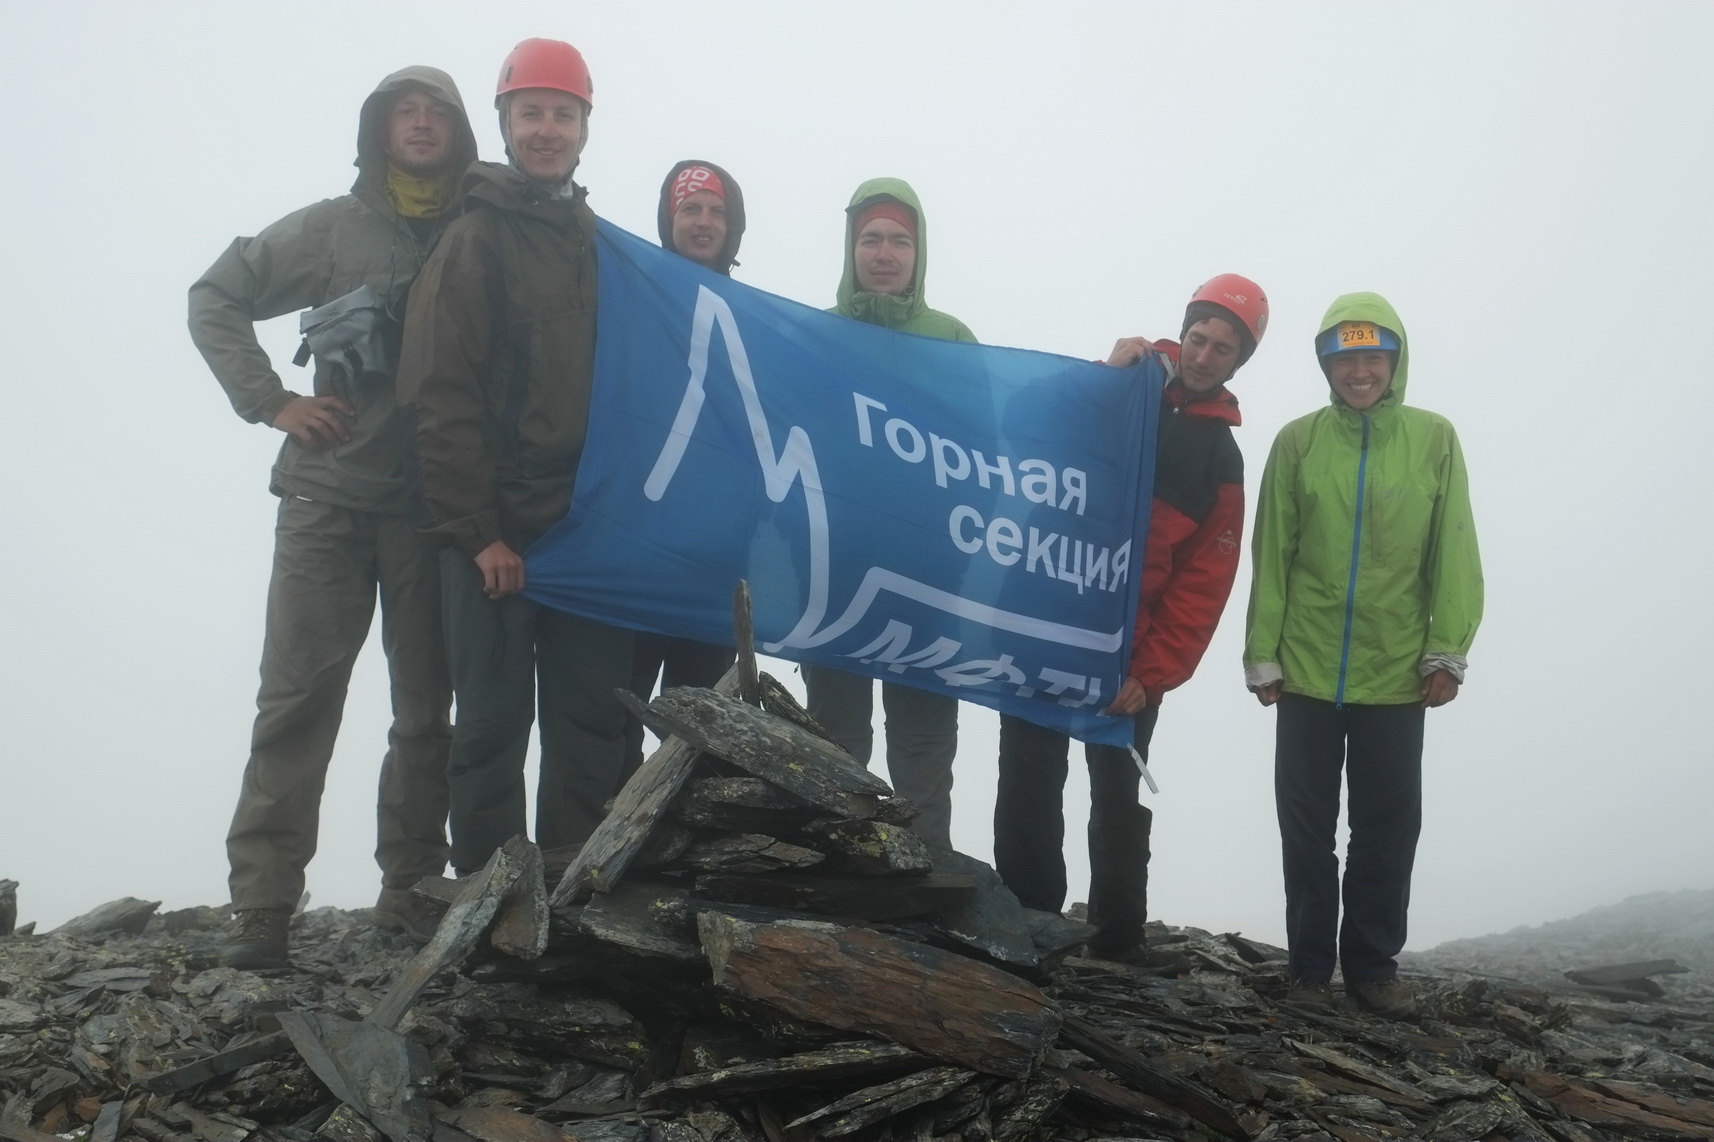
[1366,597]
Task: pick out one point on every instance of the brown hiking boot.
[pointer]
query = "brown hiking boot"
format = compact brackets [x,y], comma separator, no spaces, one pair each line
[1388,998]
[1312,993]
[258,942]
[401,910]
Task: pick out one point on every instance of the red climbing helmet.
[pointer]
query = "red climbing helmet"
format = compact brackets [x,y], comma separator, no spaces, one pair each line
[553,64]
[1243,297]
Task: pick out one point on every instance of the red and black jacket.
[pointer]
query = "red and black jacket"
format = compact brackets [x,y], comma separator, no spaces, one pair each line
[1191,556]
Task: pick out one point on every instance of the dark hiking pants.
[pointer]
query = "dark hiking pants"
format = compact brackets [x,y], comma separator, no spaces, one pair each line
[676,662]
[922,738]
[504,654]
[1029,826]
[329,564]
[1379,749]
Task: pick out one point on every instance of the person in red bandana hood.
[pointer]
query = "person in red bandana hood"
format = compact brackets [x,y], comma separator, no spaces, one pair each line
[701,214]
[1189,563]
[701,218]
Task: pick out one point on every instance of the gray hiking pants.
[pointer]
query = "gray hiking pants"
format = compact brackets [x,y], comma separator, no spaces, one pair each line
[329,563]
[922,738]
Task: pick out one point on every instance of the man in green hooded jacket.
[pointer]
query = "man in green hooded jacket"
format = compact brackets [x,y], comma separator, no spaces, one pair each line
[1366,597]
[343,534]
[886,260]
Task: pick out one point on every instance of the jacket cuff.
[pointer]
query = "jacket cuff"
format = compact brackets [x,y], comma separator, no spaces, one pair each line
[473,533]
[1263,674]
[1453,664]
[270,408]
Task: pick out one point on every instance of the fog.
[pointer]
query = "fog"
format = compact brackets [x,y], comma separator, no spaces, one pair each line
[1528,184]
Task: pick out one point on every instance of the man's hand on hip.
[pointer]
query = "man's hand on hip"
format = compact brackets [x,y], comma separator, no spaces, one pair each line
[315,422]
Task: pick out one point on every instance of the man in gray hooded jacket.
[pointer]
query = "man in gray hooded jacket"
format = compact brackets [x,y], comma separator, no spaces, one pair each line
[343,532]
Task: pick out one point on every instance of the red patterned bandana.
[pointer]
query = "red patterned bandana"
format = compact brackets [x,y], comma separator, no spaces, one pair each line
[692,179]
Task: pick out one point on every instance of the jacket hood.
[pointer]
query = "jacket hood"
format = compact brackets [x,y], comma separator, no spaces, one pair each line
[371,152]
[734,213]
[892,311]
[1371,307]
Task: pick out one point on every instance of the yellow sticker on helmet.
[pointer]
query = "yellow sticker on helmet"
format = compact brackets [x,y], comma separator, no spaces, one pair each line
[1359,335]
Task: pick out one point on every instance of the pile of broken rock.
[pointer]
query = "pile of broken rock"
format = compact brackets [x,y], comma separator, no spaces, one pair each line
[753,946]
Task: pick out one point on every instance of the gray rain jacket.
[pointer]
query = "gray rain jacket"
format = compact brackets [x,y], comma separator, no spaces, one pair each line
[307,259]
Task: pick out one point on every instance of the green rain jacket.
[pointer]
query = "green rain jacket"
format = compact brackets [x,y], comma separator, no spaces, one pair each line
[1358,607]
[908,313]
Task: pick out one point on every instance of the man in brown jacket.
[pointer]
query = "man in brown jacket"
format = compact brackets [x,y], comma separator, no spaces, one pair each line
[494,382]
[343,531]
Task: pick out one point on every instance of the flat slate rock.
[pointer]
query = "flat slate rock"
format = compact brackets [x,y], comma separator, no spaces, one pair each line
[858,897]
[871,847]
[940,1003]
[642,919]
[769,747]
[126,916]
[841,1062]
[872,1104]
[990,921]
[1625,973]
[742,804]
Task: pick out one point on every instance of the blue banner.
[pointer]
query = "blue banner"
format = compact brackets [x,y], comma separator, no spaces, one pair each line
[962,518]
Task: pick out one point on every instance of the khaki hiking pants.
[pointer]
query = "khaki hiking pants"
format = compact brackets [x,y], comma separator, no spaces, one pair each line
[328,564]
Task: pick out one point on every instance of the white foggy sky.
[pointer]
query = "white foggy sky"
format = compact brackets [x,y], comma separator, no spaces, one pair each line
[1527,183]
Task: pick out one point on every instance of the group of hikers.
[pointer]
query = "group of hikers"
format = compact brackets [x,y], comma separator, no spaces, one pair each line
[451,316]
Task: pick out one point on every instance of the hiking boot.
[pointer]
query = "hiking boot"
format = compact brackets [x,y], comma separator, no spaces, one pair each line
[401,910]
[258,942]
[1315,993]
[1388,998]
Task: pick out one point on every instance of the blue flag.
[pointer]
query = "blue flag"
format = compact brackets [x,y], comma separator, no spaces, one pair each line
[961,518]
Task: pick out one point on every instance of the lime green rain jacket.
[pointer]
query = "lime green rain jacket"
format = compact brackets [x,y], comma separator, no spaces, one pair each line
[907,312]
[1358,607]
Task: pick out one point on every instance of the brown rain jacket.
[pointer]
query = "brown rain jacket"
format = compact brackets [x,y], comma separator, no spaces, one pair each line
[499,360]
[307,259]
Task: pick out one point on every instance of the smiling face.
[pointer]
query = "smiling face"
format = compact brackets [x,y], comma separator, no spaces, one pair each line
[1208,356]
[699,227]
[886,257]
[546,130]
[1361,378]
[420,134]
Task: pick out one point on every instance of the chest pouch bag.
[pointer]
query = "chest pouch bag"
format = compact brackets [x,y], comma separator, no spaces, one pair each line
[355,336]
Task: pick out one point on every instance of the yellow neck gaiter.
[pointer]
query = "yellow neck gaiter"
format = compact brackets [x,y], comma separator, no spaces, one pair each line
[415,197]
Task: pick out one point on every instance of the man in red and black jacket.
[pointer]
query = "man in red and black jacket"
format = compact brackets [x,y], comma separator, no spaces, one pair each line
[1189,562]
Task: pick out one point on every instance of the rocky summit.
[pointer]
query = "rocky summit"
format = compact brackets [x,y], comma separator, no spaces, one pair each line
[754,945]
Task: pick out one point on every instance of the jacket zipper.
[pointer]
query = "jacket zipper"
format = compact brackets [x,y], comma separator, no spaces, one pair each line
[1351,586]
